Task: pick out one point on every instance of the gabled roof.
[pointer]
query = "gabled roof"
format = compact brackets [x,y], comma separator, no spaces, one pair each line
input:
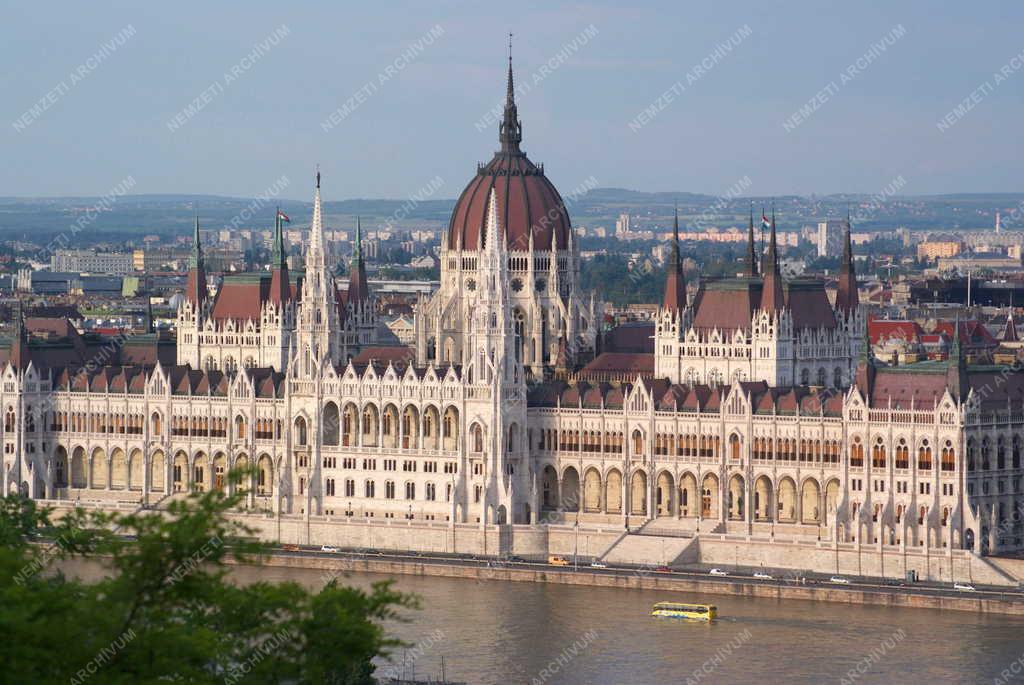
[880,330]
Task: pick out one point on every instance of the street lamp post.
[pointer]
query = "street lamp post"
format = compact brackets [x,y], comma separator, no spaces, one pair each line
[576,544]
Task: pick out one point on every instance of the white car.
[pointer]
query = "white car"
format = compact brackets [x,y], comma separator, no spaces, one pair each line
[599,564]
[761,575]
[963,587]
[328,548]
[717,572]
[839,580]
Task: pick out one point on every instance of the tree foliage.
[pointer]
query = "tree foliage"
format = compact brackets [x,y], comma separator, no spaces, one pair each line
[167,611]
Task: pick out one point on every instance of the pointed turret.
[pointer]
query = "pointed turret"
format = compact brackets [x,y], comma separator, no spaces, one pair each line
[510,131]
[772,298]
[562,359]
[751,266]
[675,282]
[847,300]
[195,286]
[1010,331]
[864,378]
[280,289]
[358,290]
[20,356]
[956,369]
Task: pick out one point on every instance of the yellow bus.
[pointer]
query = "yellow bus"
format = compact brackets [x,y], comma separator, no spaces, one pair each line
[697,612]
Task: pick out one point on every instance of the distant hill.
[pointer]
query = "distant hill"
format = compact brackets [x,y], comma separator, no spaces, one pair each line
[168,214]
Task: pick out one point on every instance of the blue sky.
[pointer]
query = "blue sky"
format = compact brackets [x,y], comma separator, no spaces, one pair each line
[420,123]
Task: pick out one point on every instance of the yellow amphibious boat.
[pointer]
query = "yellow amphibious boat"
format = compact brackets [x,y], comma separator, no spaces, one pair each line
[696,612]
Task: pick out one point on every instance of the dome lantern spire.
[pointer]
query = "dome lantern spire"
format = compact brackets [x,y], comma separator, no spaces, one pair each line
[510,131]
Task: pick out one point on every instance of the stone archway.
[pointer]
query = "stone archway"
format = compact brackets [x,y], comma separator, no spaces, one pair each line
[79,477]
[549,488]
[157,471]
[787,500]
[664,493]
[98,469]
[763,510]
[709,497]
[613,492]
[638,493]
[736,503]
[810,502]
[570,489]
[592,491]
[688,498]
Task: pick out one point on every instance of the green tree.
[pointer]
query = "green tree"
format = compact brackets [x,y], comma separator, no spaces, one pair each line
[166,610]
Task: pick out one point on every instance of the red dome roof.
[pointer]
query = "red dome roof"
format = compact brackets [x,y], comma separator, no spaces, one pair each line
[527,201]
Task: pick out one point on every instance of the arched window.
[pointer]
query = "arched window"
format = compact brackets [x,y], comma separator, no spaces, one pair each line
[478,438]
[878,454]
[856,452]
[948,457]
[924,456]
[300,431]
[638,442]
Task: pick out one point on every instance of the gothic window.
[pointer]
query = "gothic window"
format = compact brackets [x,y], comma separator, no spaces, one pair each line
[924,456]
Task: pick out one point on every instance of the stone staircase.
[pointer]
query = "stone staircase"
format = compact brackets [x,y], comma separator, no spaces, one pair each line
[650,549]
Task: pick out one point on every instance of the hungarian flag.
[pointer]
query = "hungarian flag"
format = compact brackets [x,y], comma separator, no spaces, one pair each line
[282,215]
[765,224]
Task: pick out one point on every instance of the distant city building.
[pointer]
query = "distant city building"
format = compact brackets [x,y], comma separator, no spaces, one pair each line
[830,237]
[933,249]
[159,258]
[91,261]
[968,263]
[622,226]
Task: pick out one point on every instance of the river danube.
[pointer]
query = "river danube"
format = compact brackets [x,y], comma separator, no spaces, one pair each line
[502,632]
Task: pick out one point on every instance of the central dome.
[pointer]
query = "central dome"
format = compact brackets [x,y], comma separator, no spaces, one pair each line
[527,201]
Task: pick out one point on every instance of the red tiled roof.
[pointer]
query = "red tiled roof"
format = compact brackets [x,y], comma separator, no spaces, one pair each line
[621,364]
[807,300]
[972,333]
[727,304]
[886,329]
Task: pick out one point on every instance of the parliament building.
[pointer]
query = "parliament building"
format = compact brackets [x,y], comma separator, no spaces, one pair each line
[762,415]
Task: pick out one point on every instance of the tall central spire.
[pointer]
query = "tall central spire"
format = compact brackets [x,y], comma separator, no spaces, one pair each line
[510,131]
